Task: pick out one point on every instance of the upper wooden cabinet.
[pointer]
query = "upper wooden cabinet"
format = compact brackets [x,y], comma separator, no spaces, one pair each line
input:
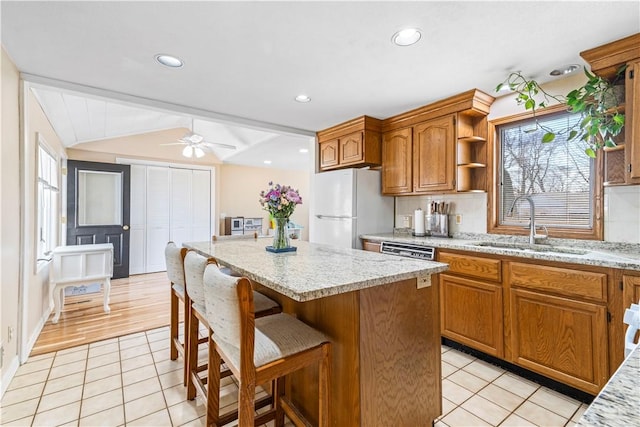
[438,148]
[397,149]
[621,164]
[351,144]
[433,154]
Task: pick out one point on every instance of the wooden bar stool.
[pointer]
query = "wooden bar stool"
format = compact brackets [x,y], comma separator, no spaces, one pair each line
[194,266]
[259,351]
[174,258]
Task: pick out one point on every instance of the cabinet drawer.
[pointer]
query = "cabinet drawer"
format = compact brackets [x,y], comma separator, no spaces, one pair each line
[482,268]
[563,281]
[371,246]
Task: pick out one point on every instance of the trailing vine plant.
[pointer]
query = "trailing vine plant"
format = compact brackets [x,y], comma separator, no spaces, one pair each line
[596,101]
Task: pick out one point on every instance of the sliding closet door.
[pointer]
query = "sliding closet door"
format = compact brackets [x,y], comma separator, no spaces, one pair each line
[158,217]
[201,205]
[137,236]
[180,180]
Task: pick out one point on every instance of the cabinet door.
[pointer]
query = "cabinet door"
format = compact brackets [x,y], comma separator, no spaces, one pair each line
[158,219]
[632,128]
[433,155]
[561,338]
[396,162]
[371,246]
[329,154]
[471,313]
[351,149]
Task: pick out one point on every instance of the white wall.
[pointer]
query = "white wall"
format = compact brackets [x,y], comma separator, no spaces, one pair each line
[9,218]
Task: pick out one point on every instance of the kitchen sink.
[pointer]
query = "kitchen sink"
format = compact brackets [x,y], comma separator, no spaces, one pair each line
[525,247]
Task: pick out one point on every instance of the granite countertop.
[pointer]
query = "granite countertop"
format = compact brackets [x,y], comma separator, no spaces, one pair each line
[316,271]
[588,252]
[618,403]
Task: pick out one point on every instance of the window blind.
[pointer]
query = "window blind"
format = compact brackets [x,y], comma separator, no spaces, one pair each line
[557,175]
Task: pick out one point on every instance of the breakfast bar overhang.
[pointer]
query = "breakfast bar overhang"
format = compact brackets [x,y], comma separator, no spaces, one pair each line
[381,313]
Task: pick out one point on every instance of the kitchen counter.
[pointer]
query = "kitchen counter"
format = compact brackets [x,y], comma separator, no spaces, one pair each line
[314,270]
[618,403]
[381,314]
[603,254]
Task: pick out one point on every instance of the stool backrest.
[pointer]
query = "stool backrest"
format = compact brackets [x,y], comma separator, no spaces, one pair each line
[194,265]
[229,303]
[174,258]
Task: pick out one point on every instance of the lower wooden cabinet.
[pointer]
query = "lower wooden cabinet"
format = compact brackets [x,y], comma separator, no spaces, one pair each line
[551,319]
[471,313]
[561,338]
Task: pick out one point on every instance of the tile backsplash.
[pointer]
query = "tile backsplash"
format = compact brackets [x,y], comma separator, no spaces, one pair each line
[621,212]
[471,206]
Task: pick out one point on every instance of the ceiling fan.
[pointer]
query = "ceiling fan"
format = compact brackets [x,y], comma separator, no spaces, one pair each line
[195,144]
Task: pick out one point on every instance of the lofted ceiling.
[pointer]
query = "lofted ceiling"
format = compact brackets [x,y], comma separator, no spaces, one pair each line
[244,62]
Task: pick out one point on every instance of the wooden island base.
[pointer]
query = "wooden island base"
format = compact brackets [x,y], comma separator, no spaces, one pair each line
[386,355]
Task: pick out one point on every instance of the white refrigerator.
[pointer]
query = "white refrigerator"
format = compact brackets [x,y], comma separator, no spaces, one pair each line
[346,204]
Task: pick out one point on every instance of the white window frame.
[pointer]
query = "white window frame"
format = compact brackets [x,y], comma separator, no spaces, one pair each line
[47,233]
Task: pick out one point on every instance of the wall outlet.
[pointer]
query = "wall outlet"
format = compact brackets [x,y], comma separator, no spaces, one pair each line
[10,334]
[458,219]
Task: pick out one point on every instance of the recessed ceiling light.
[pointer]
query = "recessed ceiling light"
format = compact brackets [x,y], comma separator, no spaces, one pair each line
[302,98]
[169,61]
[566,69]
[406,37]
[267,162]
[304,150]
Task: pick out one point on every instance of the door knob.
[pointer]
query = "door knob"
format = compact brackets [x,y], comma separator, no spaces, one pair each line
[125,228]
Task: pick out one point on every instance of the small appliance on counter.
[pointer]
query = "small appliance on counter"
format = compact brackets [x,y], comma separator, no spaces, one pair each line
[253,225]
[233,226]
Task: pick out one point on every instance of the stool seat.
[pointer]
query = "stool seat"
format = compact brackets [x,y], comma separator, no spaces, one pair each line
[276,337]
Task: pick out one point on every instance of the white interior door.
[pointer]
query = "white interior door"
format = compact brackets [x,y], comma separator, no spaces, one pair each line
[157,218]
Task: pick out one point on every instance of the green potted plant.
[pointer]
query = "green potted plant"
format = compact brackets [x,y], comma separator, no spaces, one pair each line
[598,101]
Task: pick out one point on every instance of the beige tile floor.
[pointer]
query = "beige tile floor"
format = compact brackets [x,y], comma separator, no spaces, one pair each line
[131,381]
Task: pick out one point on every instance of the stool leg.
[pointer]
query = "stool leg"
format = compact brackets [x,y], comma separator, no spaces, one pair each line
[173,325]
[278,391]
[246,401]
[213,385]
[192,354]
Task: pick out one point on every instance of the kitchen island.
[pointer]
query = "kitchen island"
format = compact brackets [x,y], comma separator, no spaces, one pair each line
[381,313]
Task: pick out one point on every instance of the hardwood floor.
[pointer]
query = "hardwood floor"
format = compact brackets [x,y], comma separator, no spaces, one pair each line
[138,303]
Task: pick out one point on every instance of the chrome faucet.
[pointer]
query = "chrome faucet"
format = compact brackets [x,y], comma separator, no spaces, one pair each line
[532,211]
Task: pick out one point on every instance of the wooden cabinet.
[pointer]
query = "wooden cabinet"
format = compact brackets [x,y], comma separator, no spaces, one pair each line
[397,149]
[427,150]
[370,246]
[471,302]
[328,154]
[550,319]
[433,155]
[558,323]
[562,338]
[631,290]
[471,313]
[354,143]
[621,164]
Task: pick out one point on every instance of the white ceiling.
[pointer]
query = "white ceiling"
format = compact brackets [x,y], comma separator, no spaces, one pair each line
[246,61]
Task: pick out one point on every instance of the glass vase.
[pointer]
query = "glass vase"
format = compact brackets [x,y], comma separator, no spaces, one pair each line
[281,236]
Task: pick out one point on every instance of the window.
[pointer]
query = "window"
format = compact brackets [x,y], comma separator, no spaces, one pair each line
[47,231]
[559,177]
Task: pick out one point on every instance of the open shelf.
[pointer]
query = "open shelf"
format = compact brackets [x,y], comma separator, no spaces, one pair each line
[472,165]
[618,147]
[472,139]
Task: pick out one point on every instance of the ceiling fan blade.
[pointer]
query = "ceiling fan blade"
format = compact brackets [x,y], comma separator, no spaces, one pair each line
[221,145]
[174,143]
